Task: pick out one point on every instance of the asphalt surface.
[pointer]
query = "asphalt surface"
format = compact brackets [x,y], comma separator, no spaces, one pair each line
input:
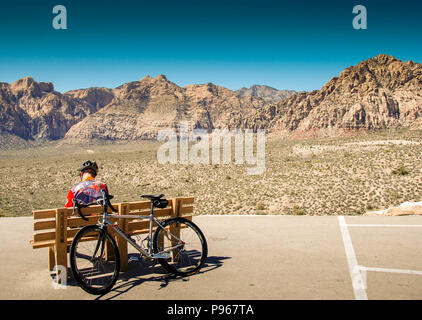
[250,257]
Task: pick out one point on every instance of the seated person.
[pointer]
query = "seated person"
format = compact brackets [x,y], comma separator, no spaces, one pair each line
[88,190]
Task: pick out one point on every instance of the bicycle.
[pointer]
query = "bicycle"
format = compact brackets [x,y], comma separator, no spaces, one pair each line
[95,259]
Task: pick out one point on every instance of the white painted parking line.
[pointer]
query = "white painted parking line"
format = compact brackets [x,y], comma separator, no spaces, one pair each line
[357,272]
[354,269]
[387,225]
[393,270]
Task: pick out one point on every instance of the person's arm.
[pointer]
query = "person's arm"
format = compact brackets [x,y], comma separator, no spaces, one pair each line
[69,200]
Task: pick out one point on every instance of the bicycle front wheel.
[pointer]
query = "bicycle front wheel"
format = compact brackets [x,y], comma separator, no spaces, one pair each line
[94,260]
[185,244]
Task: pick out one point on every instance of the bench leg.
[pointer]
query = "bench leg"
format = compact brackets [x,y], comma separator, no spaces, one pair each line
[61,260]
[123,252]
[51,258]
[122,243]
[61,245]
[176,232]
[109,252]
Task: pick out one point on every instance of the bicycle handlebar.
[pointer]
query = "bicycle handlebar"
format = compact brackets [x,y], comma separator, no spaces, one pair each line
[108,197]
[106,201]
[79,206]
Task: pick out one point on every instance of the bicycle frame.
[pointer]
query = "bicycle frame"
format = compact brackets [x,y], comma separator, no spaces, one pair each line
[152,219]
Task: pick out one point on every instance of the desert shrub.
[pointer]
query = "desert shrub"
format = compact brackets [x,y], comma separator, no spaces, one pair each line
[370,206]
[260,206]
[3,214]
[261,213]
[400,171]
[295,211]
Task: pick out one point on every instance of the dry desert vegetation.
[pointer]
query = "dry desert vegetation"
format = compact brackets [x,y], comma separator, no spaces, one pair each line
[330,176]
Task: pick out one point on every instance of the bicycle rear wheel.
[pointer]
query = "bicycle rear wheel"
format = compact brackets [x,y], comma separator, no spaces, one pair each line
[94,260]
[184,242]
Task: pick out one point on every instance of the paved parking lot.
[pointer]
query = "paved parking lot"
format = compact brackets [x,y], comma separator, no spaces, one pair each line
[251,257]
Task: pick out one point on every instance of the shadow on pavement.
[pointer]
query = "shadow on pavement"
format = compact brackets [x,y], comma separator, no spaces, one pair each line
[132,277]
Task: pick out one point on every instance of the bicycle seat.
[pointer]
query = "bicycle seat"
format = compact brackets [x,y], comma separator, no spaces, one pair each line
[153,196]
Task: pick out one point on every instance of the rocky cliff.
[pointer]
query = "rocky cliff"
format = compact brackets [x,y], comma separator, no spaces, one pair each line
[33,110]
[265,92]
[378,93]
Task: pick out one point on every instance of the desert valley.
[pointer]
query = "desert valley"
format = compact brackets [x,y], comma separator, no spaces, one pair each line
[350,148]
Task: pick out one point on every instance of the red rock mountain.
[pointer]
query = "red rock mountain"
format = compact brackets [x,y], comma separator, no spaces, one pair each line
[378,93]
[141,108]
[265,92]
[382,92]
[33,110]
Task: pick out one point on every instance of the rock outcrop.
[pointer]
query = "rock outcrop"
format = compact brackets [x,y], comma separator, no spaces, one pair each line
[405,209]
[33,110]
[98,97]
[265,92]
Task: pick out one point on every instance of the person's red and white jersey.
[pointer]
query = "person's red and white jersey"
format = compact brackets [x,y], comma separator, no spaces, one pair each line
[86,192]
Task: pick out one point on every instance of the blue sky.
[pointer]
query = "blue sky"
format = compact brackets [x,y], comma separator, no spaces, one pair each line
[296,45]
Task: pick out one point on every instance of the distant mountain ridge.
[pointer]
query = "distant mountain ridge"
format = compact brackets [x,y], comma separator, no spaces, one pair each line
[141,108]
[265,92]
[378,93]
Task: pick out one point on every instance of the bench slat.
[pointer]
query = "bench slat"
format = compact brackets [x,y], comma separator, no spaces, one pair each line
[41,237]
[50,243]
[139,205]
[44,214]
[162,212]
[44,236]
[43,225]
[185,210]
[187,200]
[142,231]
[51,213]
[132,226]
[97,209]
[79,222]
[41,244]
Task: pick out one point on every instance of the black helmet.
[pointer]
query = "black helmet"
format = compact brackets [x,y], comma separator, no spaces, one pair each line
[89,166]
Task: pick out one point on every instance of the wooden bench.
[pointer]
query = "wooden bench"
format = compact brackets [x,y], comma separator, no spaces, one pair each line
[55,228]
